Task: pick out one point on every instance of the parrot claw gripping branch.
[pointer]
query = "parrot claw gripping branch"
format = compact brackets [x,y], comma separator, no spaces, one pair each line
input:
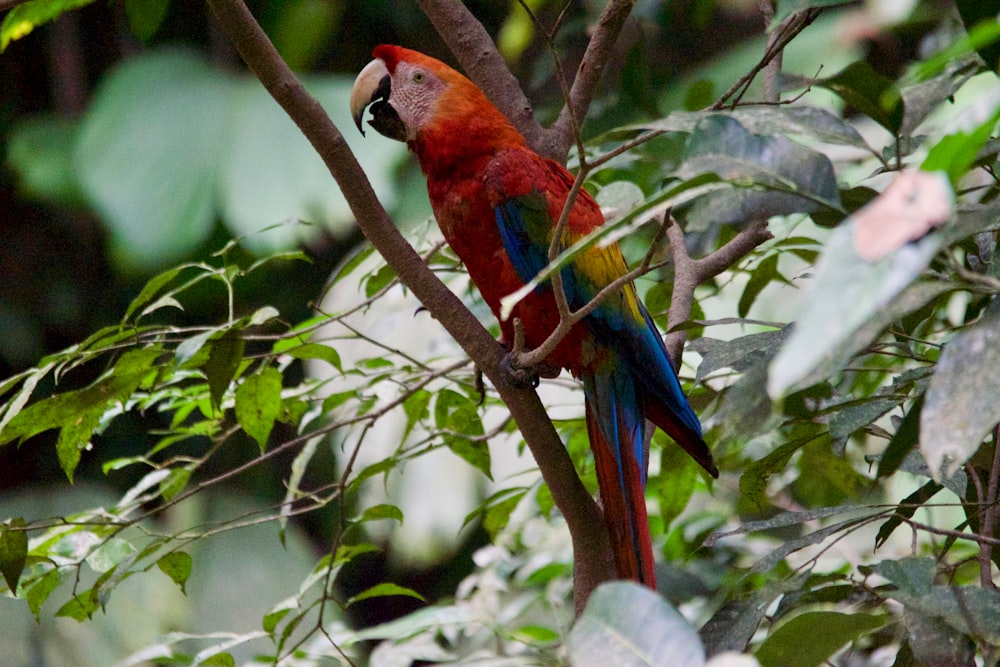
[496,202]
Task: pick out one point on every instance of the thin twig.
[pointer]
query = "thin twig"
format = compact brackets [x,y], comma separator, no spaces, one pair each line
[988,515]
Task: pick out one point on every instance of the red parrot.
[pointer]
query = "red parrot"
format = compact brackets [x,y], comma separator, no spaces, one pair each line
[496,202]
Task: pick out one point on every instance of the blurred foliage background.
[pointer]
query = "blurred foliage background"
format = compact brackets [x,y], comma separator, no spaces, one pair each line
[132,140]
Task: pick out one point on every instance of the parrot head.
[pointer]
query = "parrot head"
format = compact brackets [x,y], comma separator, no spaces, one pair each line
[422,101]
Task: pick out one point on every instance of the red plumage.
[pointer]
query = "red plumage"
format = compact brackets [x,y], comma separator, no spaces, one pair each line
[496,201]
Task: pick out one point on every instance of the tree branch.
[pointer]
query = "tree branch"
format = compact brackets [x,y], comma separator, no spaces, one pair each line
[591,548]
[563,133]
[690,273]
[477,54]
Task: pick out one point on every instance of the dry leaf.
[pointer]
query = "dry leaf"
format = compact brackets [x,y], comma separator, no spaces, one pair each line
[912,205]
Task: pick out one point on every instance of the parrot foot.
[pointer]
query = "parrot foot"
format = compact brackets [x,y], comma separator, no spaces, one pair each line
[480,386]
[522,378]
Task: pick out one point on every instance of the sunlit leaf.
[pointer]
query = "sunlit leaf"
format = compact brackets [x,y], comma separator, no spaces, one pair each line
[22,19]
[384,590]
[384,511]
[177,566]
[112,552]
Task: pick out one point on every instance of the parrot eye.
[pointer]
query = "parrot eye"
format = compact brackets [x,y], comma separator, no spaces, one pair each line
[419,77]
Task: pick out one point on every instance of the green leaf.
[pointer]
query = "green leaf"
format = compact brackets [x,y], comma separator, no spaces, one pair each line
[763,275]
[734,624]
[146,16]
[39,592]
[258,404]
[174,483]
[21,20]
[218,660]
[112,552]
[152,288]
[960,406]
[39,150]
[955,153]
[74,437]
[606,633]
[848,304]
[224,358]
[385,590]
[379,280]
[78,413]
[271,619]
[177,566]
[81,607]
[870,93]
[458,416]
[13,552]
[676,482]
[907,508]
[377,512]
[740,353]
[753,481]
[772,175]
[903,440]
[148,152]
[312,351]
[535,634]
[912,576]
[347,552]
[827,631]
[934,642]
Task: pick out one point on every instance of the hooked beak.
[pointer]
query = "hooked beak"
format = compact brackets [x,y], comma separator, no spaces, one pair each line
[372,88]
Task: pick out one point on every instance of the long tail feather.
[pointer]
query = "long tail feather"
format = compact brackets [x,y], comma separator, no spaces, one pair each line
[616,428]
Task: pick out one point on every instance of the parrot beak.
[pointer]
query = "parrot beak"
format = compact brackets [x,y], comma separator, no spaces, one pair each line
[372,88]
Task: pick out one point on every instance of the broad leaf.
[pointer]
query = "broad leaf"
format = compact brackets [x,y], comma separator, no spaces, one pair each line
[177,566]
[606,633]
[960,406]
[827,631]
[773,175]
[258,404]
[848,303]
[13,552]
[870,93]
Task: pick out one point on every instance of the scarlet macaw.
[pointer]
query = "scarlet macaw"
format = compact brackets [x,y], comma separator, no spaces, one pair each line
[496,201]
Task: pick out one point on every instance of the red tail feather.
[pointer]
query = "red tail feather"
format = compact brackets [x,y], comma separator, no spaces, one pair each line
[624,505]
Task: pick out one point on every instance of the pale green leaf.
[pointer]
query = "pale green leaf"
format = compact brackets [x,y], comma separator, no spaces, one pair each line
[607,632]
[960,406]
